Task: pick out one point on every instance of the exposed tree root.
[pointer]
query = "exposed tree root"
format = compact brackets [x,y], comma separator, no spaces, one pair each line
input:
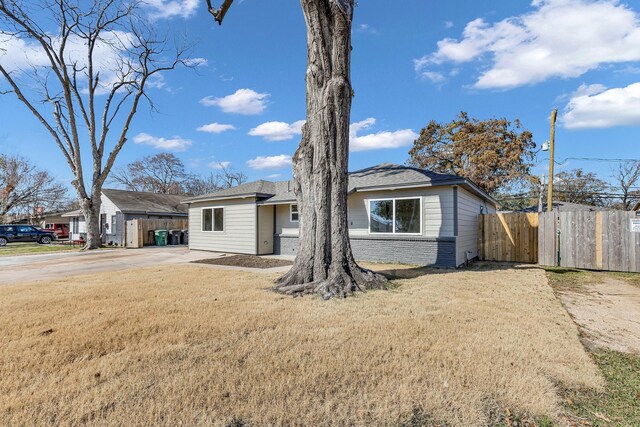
[340,282]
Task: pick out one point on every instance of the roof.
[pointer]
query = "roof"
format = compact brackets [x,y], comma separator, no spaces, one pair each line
[248,189]
[382,176]
[141,202]
[565,207]
[147,203]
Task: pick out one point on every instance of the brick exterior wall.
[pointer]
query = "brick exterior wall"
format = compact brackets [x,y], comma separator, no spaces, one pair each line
[440,252]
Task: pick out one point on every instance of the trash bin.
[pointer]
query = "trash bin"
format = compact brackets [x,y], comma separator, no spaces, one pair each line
[151,236]
[174,237]
[161,237]
[185,237]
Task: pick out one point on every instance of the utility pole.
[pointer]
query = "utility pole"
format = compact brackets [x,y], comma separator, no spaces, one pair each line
[552,141]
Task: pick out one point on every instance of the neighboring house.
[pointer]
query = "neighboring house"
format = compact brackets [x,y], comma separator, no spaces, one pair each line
[395,214]
[55,217]
[120,206]
[565,207]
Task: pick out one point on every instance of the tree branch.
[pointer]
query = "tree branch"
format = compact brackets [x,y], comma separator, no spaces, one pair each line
[218,14]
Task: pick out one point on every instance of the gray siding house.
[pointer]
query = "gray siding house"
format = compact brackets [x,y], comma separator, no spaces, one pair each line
[395,213]
[120,206]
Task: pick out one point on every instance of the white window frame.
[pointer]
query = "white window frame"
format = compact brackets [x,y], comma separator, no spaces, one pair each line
[114,222]
[291,212]
[393,199]
[213,226]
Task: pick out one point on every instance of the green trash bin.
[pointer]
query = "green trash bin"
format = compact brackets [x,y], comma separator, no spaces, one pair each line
[161,237]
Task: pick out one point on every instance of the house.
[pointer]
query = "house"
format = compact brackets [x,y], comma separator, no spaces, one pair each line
[395,214]
[120,206]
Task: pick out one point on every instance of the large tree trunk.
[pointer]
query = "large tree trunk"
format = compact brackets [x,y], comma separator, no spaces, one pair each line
[91,210]
[324,263]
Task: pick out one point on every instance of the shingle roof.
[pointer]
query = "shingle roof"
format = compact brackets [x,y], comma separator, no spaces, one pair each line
[380,176]
[252,188]
[389,174]
[143,202]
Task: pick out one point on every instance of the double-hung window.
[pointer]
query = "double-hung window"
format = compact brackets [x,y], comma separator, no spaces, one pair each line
[396,216]
[294,213]
[213,219]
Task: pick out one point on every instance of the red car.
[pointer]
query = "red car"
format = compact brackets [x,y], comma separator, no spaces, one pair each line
[60,230]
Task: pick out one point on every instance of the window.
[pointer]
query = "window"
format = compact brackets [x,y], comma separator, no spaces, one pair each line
[213,219]
[294,213]
[113,224]
[395,216]
[75,225]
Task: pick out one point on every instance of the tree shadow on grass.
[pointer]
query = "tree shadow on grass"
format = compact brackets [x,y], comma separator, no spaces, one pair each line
[418,271]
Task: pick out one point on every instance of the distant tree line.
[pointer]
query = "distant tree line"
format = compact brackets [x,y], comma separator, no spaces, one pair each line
[165,173]
[497,154]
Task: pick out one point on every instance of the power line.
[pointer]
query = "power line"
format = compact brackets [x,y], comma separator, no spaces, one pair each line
[589,159]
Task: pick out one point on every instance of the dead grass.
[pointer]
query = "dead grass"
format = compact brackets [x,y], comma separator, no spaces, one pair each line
[192,345]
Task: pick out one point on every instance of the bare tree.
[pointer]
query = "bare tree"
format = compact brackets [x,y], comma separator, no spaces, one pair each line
[163,173]
[627,183]
[95,63]
[324,263]
[25,189]
[577,186]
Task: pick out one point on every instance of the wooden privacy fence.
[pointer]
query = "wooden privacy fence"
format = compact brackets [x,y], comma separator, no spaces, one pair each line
[508,237]
[603,240]
[138,230]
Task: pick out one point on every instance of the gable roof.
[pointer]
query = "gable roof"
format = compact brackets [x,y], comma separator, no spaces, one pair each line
[145,203]
[382,176]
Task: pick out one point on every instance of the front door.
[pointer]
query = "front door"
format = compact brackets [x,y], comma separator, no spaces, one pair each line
[103,227]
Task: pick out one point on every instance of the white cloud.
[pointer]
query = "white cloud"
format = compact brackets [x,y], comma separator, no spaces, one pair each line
[433,76]
[274,176]
[559,38]
[196,62]
[215,128]
[380,140]
[173,144]
[243,101]
[219,165]
[19,55]
[366,28]
[595,106]
[270,162]
[278,131]
[171,8]
[448,24]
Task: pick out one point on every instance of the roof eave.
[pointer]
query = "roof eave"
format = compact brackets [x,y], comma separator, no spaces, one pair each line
[235,196]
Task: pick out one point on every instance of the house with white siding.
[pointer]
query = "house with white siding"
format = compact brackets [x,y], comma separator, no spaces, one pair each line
[395,214]
[120,206]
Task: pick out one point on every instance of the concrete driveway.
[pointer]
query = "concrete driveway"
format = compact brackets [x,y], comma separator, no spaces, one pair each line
[31,268]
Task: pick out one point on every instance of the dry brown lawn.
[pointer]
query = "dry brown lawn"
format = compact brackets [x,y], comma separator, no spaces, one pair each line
[192,345]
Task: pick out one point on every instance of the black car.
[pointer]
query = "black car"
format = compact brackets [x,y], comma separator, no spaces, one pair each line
[24,233]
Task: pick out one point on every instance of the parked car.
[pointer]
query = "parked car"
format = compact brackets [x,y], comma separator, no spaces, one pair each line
[24,233]
[60,230]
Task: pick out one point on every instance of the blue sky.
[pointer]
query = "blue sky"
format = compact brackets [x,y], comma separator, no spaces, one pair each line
[418,61]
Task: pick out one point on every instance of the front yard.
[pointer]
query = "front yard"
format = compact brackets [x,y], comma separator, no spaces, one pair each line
[35,248]
[195,345]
